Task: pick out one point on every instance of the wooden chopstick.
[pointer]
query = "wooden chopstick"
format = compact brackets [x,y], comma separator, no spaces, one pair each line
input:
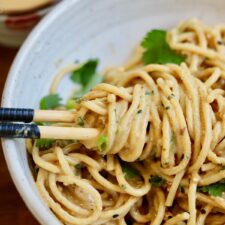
[29,115]
[68,133]
[17,130]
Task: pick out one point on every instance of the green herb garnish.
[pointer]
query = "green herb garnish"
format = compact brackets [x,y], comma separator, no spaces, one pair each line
[83,74]
[129,171]
[215,189]
[167,107]
[50,101]
[45,143]
[158,50]
[157,181]
[170,96]
[78,168]
[80,121]
[86,76]
[150,93]
[78,100]
[70,104]
[102,143]
[173,143]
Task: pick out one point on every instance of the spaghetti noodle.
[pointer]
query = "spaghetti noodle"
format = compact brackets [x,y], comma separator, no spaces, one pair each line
[161,142]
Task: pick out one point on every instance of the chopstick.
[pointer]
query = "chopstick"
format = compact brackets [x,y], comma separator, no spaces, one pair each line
[26,130]
[15,130]
[31,115]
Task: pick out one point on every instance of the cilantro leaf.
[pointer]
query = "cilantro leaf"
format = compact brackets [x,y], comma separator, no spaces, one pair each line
[102,143]
[83,74]
[86,76]
[78,166]
[45,143]
[94,80]
[157,181]
[158,50]
[50,101]
[129,171]
[213,189]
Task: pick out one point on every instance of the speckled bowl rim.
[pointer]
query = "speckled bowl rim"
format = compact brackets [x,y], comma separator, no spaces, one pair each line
[15,168]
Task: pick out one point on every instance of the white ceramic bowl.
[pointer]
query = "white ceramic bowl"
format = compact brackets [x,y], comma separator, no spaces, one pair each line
[81,30]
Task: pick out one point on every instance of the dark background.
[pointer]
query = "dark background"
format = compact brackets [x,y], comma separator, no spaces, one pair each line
[12,208]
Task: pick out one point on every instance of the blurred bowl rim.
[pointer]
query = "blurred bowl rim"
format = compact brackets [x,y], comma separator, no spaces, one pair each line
[16,171]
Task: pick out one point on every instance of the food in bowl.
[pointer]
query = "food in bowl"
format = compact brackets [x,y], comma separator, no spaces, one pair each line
[18,18]
[159,156]
[16,6]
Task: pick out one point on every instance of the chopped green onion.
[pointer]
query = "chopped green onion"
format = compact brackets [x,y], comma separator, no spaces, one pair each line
[45,143]
[78,100]
[157,181]
[50,101]
[80,121]
[71,104]
[102,143]
[129,171]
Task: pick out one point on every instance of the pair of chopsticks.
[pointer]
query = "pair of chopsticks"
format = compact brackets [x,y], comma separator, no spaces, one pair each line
[10,128]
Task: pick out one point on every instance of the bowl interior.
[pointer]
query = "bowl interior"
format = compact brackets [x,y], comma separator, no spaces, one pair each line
[80,30]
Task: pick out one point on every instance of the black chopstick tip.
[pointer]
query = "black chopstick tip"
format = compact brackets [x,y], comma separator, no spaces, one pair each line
[13,130]
[16,115]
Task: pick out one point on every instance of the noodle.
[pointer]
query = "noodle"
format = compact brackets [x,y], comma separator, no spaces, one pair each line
[164,125]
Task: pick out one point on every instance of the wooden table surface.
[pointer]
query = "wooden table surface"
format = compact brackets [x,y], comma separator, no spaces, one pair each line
[12,208]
